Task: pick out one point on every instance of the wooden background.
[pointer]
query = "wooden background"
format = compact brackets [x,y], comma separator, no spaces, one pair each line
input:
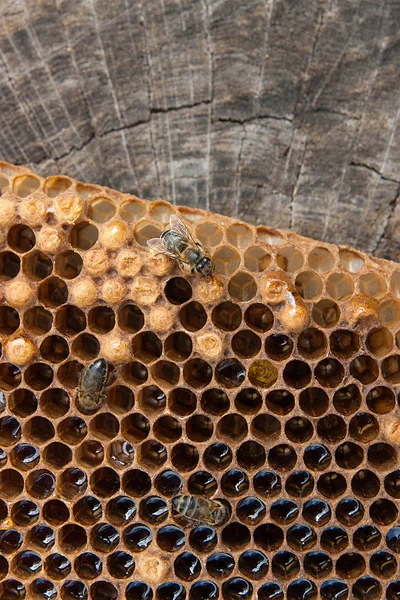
[282,112]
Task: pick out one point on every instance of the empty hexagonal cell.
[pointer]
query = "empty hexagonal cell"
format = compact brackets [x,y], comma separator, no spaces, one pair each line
[321,260]
[54,348]
[184,457]
[340,286]
[389,312]
[38,376]
[178,290]
[146,346]
[373,285]
[72,430]
[257,259]
[136,483]
[11,483]
[22,402]
[242,287]
[350,260]
[24,185]
[37,265]
[167,429]
[21,238]
[197,373]
[69,264]
[132,210]
[213,401]
[379,341]
[54,186]
[39,429]
[85,346]
[84,235]
[152,454]
[130,318]
[10,265]
[146,230]
[69,374]
[289,259]
[53,292]
[209,234]
[134,373]
[309,285]
[37,320]
[226,260]
[9,320]
[57,455]
[161,211]
[101,209]
[239,235]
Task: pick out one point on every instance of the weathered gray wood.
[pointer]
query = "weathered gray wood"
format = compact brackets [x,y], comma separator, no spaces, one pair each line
[277,111]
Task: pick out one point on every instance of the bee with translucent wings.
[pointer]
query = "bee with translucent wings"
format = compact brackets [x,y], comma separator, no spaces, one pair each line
[198,510]
[178,243]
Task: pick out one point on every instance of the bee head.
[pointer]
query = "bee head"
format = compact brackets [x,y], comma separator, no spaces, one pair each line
[205,267]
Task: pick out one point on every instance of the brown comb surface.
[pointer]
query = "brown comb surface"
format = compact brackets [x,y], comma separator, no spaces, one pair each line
[272,386]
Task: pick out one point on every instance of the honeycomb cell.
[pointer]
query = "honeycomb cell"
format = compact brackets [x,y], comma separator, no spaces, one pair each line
[203,539]
[381,400]
[21,238]
[242,287]
[227,316]
[349,511]
[284,512]
[256,259]
[178,346]
[282,457]
[9,320]
[36,265]
[10,376]
[285,565]
[246,344]
[289,259]
[53,292]
[136,483]
[248,402]
[182,401]
[299,429]
[262,373]
[347,400]
[74,590]
[10,264]
[278,346]
[198,373]
[280,402]
[299,484]
[167,429]
[314,401]
[332,484]
[297,374]
[251,455]
[267,483]
[226,260]
[366,538]
[365,484]
[103,590]
[232,427]
[309,285]
[217,456]
[270,591]
[257,316]
[326,313]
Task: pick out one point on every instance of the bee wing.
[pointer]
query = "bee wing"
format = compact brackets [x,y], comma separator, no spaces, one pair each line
[179,227]
[157,246]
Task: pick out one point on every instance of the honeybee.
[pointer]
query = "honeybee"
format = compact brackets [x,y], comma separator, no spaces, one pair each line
[91,385]
[199,510]
[178,243]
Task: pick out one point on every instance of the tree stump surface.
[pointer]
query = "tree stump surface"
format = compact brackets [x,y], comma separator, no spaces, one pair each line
[282,112]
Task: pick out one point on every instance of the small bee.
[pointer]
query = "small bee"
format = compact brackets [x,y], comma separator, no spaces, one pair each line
[178,243]
[199,510]
[91,384]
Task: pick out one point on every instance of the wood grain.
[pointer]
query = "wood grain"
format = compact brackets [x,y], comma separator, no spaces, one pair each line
[278,111]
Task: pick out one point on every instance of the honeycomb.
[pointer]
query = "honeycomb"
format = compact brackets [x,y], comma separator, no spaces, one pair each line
[272,387]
